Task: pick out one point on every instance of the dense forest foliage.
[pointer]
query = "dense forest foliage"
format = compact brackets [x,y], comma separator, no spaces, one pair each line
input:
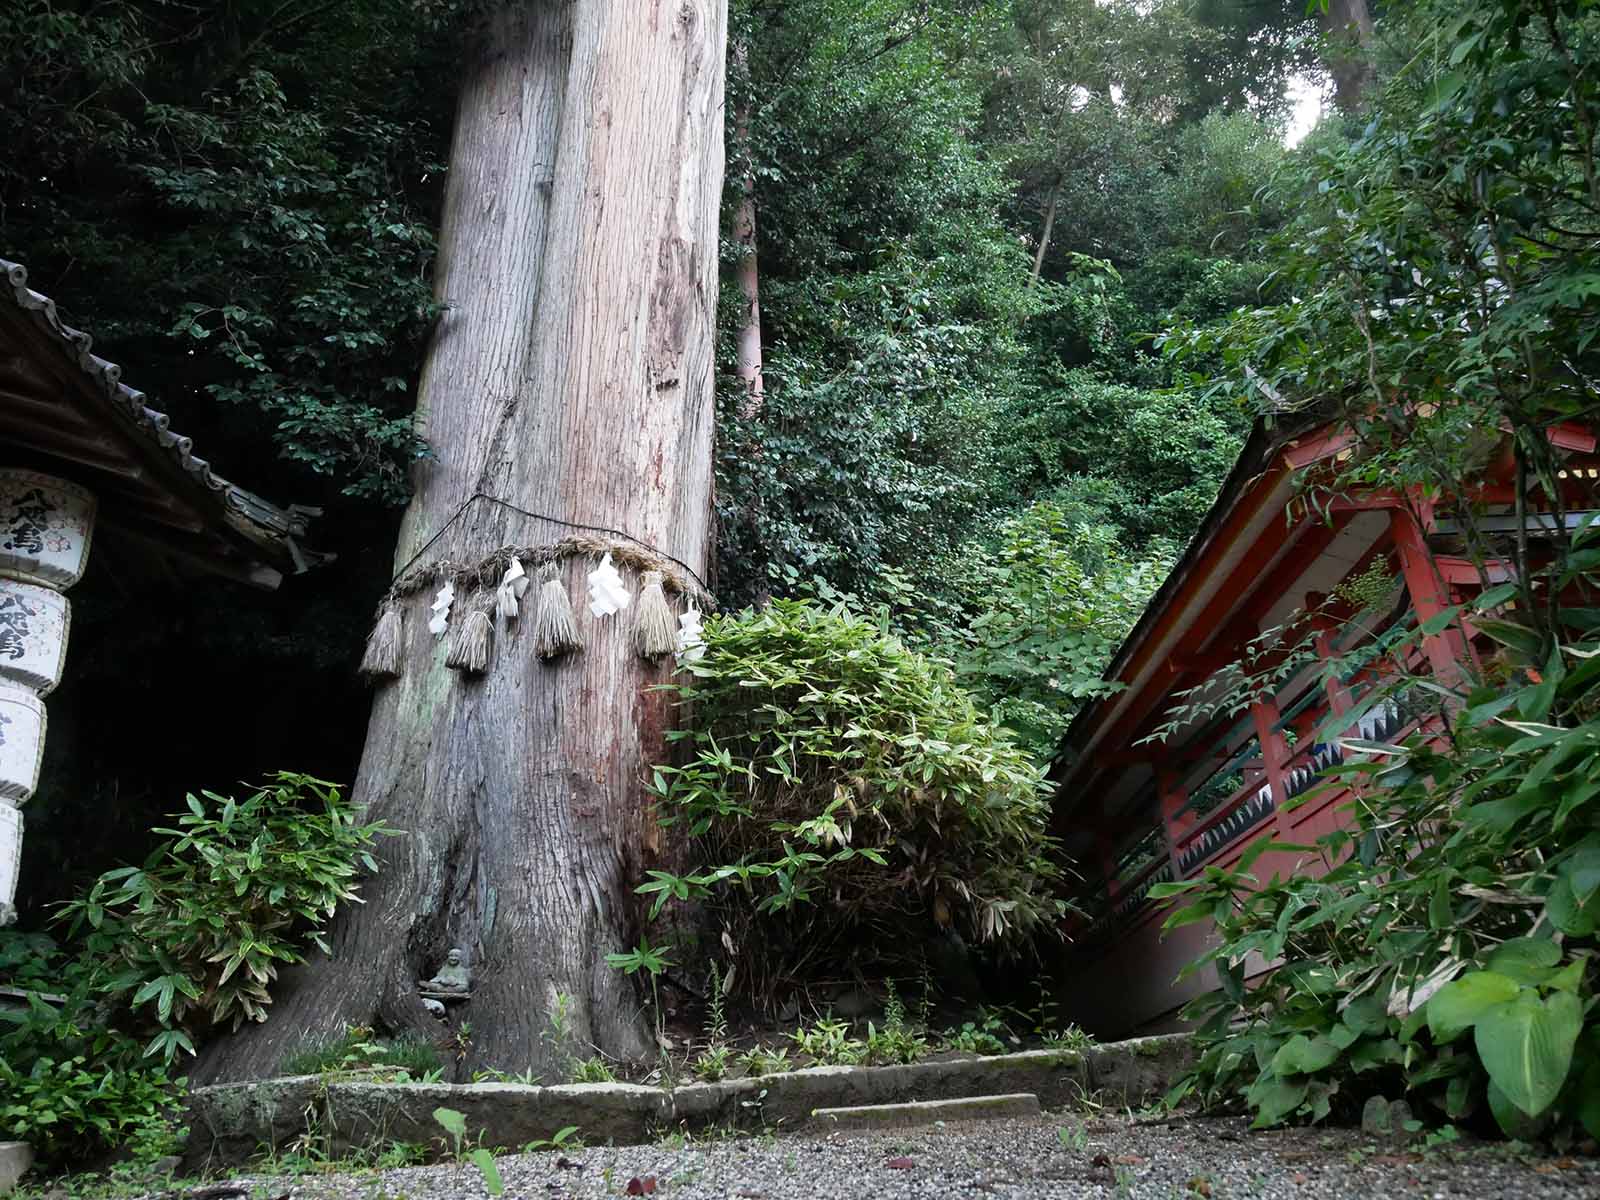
[970,220]
[1027,269]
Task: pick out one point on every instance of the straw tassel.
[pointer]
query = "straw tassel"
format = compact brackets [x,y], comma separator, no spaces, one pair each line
[381,659]
[469,649]
[555,627]
[655,631]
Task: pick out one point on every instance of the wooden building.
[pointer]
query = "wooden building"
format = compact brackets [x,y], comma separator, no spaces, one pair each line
[1135,809]
[86,462]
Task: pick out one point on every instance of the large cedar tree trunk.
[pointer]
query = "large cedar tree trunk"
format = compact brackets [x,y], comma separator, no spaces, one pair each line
[572,377]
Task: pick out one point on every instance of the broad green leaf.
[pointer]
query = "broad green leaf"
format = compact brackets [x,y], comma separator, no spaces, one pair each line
[1526,1046]
[453,1122]
[1441,916]
[1366,1014]
[1275,1098]
[1526,960]
[1377,1053]
[1495,596]
[1440,621]
[1583,873]
[1513,1122]
[1458,1097]
[1302,1055]
[1457,1006]
[1189,915]
[485,1163]
[1565,911]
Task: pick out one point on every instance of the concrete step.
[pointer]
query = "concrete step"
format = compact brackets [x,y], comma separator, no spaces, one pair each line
[927,1112]
[15,1158]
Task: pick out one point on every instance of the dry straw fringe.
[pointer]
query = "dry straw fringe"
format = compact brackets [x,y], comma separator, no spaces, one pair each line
[555,628]
[488,572]
[382,657]
[655,629]
[469,648]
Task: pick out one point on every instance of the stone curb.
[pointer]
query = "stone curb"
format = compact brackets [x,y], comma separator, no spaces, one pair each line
[927,1112]
[15,1159]
[230,1123]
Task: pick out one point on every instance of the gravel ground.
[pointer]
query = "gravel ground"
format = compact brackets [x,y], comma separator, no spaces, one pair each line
[1210,1159]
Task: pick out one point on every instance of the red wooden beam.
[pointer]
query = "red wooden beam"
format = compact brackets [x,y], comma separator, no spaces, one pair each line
[1325,445]
[1569,435]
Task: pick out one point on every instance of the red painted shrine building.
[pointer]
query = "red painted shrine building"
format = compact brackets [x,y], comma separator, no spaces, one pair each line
[1347,574]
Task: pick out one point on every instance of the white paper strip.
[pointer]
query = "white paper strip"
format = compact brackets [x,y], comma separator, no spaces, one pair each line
[34,622]
[691,636]
[45,528]
[22,724]
[606,593]
[512,585]
[440,621]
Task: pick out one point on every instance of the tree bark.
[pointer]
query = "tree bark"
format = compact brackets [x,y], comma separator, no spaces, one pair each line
[749,268]
[1044,236]
[1348,27]
[570,376]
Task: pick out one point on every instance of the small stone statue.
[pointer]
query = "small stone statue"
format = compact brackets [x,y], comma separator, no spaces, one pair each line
[453,982]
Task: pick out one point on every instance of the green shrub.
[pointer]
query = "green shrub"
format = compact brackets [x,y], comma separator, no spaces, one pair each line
[191,938]
[765,1061]
[828,1044]
[712,1063]
[592,1070]
[199,931]
[357,1048]
[62,1106]
[898,1041]
[1450,954]
[69,1083]
[982,1036]
[844,801]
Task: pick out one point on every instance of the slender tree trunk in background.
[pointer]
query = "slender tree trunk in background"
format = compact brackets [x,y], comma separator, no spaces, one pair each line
[744,232]
[1044,236]
[1348,25]
[570,376]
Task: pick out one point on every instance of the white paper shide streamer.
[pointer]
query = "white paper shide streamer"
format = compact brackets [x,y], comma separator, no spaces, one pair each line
[440,621]
[691,636]
[512,586]
[607,595]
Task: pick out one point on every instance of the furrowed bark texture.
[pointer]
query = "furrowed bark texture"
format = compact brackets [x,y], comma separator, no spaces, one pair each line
[1349,27]
[571,376]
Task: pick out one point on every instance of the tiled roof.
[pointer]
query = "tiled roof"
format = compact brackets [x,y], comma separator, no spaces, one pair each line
[99,423]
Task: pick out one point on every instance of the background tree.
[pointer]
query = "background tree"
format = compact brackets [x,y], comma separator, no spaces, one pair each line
[237,200]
